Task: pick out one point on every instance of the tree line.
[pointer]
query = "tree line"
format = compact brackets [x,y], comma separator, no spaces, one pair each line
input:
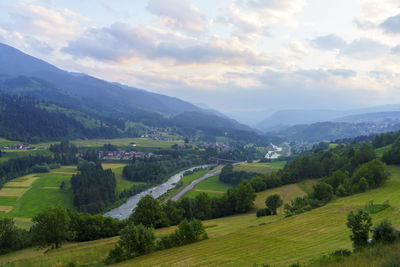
[93,187]
[54,226]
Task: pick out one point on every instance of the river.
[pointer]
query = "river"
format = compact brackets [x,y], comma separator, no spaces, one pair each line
[125,210]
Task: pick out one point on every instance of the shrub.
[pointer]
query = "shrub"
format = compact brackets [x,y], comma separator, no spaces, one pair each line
[360,224]
[135,241]
[384,232]
[341,253]
[273,202]
[40,168]
[263,212]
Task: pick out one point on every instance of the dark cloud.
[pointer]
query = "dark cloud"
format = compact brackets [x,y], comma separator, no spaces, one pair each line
[121,41]
[329,42]
[391,25]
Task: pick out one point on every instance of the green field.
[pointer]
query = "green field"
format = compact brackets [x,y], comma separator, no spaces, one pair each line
[379,151]
[40,191]
[212,186]
[140,142]
[260,167]
[24,197]
[186,180]
[122,183]
[244,240]
[12,154]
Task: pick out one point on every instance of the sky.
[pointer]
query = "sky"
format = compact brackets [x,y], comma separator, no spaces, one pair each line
[240,57]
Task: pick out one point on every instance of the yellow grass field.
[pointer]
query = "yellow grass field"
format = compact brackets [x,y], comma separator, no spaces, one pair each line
[24,181]
[6,208]
[12,192]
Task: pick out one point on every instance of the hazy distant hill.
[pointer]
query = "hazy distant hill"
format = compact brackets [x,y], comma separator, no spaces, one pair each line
[329,131]
[283,119]
[388,116]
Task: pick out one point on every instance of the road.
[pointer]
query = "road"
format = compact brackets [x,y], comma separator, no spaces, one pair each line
[192,184]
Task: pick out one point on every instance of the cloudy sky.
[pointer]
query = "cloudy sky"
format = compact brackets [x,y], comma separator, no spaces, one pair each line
[234,56]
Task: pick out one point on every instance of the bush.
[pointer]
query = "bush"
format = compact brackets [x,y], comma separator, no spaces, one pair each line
[40,168]
[341,253]
[360,224]
[263,212]
[135,241]
[54,166]
[384,232]
[273,202]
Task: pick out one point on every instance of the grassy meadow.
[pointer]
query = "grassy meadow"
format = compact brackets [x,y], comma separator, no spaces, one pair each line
[140,142]
[260,167]
[245,240]
[24,197]
[379,151]
[186,180]
[212,186]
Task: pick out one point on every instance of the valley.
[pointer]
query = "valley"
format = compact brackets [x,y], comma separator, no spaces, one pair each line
[99,173]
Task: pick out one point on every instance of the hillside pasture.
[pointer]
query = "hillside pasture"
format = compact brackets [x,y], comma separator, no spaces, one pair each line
[245,240]
[212,186]
[260,167]
[121,142]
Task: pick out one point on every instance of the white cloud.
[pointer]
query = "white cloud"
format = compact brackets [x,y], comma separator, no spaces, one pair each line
[179,15]
[121,42]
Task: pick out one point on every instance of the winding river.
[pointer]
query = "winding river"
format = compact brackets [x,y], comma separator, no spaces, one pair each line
[125,210]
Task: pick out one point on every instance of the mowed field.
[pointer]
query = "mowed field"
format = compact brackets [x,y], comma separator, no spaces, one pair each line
[24,197]
[212,186]
[260,167]
[186,180]
[244,240]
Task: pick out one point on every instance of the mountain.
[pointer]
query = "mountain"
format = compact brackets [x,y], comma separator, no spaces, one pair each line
[111,95]
[382,117]
[281,120]
[330,131]
[97,104]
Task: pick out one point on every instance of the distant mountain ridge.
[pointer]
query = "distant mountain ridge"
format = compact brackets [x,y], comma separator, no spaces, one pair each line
[16,63]
[106,104]
[284,119]
[330,131]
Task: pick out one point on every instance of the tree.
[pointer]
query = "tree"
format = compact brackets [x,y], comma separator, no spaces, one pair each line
[363,185]
[190,231]
[360,224]
[148,212]
[135,241]
[273,202]
[62,185]
[323,191]
[384,232]
[50,227]
[244,195]
[11,237]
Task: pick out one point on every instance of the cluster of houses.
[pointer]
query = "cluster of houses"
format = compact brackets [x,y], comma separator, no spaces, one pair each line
[20,147]
[224,147]
[122,154]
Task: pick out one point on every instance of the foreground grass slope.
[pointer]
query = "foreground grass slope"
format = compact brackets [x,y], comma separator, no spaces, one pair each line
[244,240]
[282,241]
